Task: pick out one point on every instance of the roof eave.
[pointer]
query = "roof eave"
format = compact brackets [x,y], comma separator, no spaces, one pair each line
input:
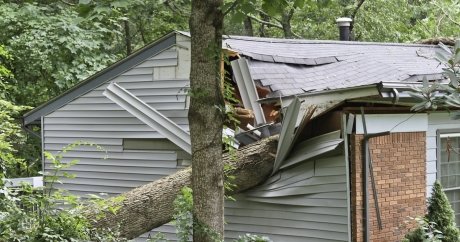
[323,96]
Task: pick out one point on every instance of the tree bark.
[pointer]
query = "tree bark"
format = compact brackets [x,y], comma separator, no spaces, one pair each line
[151,205]
[206,117]
[248,29]
[286,23]
[129,49]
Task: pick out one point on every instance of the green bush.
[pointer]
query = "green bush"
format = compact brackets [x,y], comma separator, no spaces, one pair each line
[424,232]
[441,213]
[39,215]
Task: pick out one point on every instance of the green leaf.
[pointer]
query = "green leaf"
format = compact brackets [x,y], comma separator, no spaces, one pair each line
[299,3]
[120,4]
[238,17]
[84,1]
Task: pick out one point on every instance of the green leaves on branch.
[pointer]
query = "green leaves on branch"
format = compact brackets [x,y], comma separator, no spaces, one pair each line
[53,48]
[433,95]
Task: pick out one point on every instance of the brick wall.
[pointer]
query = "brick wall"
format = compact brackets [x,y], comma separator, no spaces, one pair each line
[399,171]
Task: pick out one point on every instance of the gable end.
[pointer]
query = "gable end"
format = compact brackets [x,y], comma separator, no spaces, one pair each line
[101,77]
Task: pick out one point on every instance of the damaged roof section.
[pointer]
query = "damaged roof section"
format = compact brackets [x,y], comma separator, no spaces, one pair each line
[292,67]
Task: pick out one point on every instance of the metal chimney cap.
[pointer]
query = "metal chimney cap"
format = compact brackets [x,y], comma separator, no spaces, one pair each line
[344,21]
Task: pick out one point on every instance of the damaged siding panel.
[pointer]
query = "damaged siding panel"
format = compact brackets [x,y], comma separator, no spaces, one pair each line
[307,202]
[287,133]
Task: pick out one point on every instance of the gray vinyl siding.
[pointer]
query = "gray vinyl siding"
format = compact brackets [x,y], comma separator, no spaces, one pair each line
[436,121]
[94,118]
[307,202]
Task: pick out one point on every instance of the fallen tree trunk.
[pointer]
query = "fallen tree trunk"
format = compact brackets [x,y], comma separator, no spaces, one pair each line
[151,205]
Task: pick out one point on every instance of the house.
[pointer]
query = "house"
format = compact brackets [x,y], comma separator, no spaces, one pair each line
[338,99]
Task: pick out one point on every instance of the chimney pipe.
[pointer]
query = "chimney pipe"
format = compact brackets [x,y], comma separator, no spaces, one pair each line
[344,28]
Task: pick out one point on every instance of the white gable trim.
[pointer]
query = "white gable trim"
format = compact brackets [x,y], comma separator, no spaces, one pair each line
[149,116]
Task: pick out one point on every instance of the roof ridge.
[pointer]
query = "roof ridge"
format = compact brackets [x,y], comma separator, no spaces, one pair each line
[307,41]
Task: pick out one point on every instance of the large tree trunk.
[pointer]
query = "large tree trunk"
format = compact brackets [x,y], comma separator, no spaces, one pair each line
[151,205]
[206,117]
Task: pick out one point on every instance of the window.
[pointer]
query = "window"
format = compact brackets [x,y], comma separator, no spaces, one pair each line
[449,168]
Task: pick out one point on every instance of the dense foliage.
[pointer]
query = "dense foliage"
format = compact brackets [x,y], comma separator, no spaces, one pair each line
[376,20]
[18,152]
[38,214]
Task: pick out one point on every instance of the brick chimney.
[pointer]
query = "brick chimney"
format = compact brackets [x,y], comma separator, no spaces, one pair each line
[344,28]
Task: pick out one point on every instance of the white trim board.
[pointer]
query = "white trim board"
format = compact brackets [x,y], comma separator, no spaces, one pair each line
[392,122]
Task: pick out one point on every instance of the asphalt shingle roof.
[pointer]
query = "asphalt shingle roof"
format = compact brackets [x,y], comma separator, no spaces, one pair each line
[297,66]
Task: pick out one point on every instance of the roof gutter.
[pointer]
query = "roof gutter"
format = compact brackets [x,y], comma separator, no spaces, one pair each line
[398,90]
[326,96]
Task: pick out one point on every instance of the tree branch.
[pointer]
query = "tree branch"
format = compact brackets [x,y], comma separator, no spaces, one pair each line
[355,11]
[67,3]
[446,14]
[231,7]
[176,9]
[265,22]
[264,13]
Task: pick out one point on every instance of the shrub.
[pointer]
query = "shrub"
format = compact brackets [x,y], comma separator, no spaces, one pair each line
[424,232]
[441,213]
[32,214]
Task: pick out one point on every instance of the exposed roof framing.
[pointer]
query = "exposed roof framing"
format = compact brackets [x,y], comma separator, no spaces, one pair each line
[247,88]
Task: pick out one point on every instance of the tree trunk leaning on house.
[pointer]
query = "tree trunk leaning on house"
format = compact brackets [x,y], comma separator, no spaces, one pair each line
[206,117]
[151,205]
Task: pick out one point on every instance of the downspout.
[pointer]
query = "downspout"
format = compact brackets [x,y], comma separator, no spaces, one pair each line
[396,95]
[366,164]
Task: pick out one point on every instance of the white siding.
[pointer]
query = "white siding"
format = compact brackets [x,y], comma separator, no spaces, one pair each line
[436,121]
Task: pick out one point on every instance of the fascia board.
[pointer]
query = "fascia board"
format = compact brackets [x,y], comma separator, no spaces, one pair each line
[322,97]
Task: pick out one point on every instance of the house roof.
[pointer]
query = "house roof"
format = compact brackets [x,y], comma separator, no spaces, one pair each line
[291,67]
[101,77]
